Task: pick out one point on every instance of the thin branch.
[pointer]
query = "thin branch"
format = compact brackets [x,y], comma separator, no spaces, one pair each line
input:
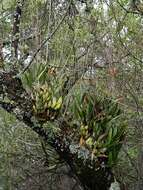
[130,160]
[44,42]
[138,12]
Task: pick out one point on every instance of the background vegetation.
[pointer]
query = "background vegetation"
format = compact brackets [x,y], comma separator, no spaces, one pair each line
[72,71]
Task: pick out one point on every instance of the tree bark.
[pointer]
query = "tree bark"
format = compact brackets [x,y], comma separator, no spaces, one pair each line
[91,175]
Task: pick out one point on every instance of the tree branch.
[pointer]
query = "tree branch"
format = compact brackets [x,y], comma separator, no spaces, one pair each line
[90,173]
[17,17]
[45,41]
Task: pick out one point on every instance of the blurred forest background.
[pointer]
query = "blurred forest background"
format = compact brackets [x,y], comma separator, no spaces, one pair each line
[97,44]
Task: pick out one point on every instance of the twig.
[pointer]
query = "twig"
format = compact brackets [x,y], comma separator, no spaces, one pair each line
[44,42]
[138,12]
[130,160]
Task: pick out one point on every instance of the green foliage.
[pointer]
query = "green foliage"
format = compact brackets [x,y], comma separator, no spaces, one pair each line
[38,73]
[100,123]
[14,142]
[46,103]
[109,33]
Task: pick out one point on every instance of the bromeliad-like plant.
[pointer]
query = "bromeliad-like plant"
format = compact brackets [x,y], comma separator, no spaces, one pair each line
[45,86]
[97,118]
[46,103]
[100,124]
